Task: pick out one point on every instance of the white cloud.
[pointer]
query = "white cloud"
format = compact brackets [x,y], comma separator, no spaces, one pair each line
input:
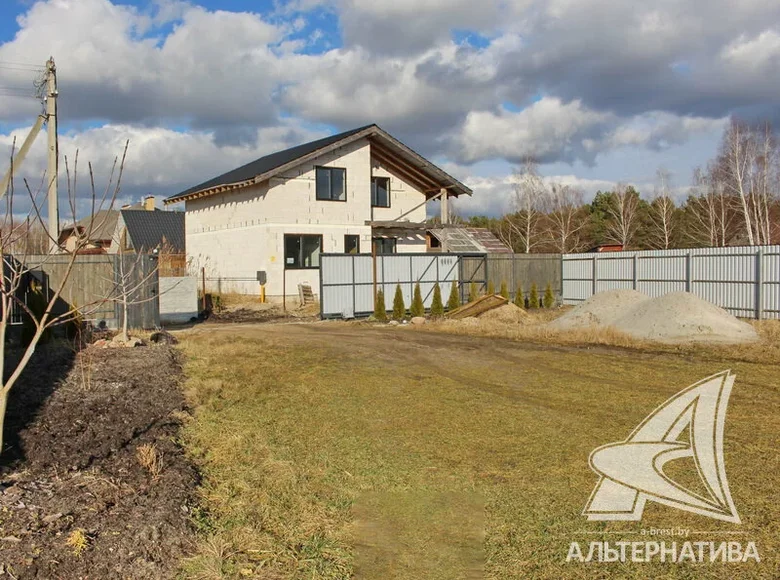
[755,53]
[562,80]
[159,161]
[545,130]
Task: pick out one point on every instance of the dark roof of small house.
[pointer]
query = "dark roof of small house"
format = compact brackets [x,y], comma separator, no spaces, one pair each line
[265,166]
[461,239]
[148,229]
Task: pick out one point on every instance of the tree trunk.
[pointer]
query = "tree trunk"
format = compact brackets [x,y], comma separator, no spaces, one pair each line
[125,336]
[3,405]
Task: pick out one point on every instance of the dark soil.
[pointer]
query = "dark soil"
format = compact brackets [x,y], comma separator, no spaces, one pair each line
[74,469]
[240,315]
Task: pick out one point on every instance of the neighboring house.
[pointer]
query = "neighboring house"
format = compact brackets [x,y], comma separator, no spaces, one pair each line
[345,193]
[103,228]
[148,232]
[100,229]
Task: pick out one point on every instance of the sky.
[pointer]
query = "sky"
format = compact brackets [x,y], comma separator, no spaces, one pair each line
[598,91]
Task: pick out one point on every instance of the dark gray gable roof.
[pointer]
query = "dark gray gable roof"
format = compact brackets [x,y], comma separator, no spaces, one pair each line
[422,170]
[269,162]
[146,229]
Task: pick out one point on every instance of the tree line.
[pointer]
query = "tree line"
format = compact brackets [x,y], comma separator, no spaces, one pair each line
[734,200]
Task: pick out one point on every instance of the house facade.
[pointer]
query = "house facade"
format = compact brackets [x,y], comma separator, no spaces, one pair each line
[356,192]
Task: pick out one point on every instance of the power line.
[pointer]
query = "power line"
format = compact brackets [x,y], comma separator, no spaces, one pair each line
[21,66]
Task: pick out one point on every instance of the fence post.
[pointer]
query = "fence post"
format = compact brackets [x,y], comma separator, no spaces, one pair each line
[487,272]
[595,272]
[636,272]
[688,271]
[759,294]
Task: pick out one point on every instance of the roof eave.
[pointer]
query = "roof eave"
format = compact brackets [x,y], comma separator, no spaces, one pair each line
[439,175]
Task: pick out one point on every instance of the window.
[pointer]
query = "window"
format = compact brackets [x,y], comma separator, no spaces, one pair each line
[302,251]
[384,245]
[380,192]
[331,183]
[351,244]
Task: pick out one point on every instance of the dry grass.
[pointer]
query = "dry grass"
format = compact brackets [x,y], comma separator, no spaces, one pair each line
[327,446]
[535,330]
[151,459]
[78,541]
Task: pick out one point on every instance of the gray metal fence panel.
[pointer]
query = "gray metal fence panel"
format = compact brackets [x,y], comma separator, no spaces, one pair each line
[178,299]
[744,280]
[347,280]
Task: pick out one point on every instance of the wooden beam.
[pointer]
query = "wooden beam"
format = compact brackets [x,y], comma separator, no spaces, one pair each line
[400,172]
[388,158]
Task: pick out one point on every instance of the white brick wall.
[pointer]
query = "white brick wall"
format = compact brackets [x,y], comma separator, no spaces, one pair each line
[233,235]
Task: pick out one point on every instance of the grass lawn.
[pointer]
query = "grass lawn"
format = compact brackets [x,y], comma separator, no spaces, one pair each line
[337,451]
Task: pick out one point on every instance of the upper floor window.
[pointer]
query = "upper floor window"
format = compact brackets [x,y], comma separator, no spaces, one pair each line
[331,183]
[380,192]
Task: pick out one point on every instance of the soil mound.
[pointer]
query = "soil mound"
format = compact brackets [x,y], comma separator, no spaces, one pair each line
[683,317]
[601,309]
[506,314]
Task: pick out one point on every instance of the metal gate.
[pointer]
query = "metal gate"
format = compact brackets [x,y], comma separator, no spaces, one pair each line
[347,280]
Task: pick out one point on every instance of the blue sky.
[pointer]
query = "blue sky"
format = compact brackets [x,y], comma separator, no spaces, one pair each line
[598,92]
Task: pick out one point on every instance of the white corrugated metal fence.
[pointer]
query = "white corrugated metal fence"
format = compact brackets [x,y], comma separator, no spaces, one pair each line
[347,280]
[744,280]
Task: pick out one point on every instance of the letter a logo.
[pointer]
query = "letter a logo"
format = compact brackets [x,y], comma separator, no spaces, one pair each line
[632,471]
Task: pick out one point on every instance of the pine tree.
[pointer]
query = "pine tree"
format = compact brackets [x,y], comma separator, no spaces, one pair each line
[549,297]
[473,292]
[519,298]
[533,296]
[504,289]
[454,300]
[491,288]
[380,312]
[418,308]
[437,306]
[399,308]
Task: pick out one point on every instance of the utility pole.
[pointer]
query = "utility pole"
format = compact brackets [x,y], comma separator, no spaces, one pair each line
[53,152]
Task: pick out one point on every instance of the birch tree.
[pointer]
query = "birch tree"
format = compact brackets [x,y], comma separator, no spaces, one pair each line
[622,215]
[662,212]
[566,217]
[528,197]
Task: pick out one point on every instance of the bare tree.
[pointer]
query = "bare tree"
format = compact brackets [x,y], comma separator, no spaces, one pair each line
[765,181]
[622,215]
[19,265]
[662,212]
[566,217]
[748,167]
[529,196]
[132,276]
[733,170]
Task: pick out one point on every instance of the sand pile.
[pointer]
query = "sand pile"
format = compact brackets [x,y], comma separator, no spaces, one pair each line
[506,314]
[601,309]
[683,317]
